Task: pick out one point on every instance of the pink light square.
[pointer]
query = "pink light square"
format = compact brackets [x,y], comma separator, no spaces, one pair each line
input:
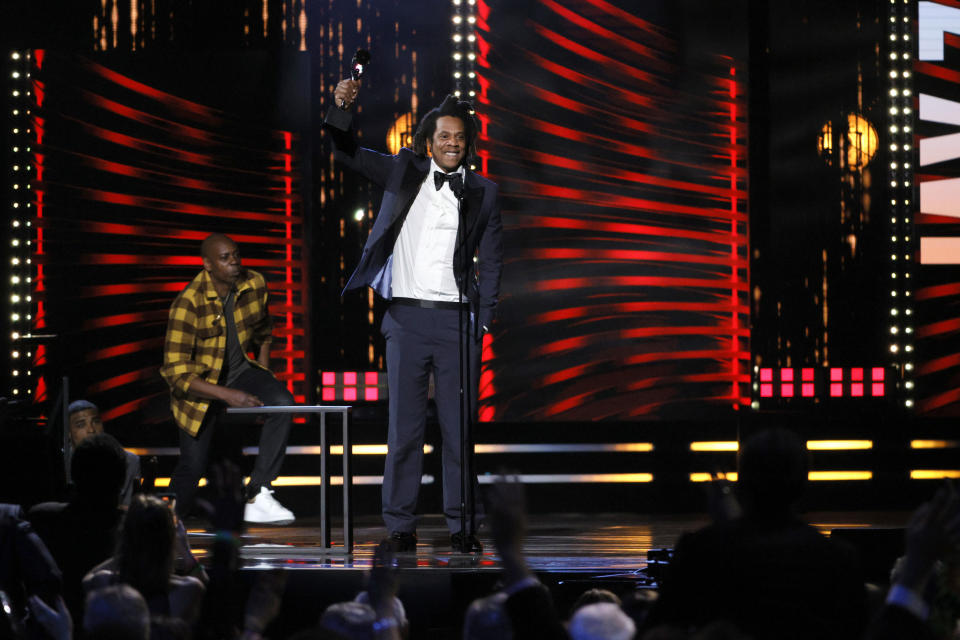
[786,375]
[876,374]
[350,394]
[856,389]
[856,374]
[766,390]
[328,378]
[836,390]
[329,394]
[370,378]
[876,389]
[350,378]
[836,374]
[806,374]
[786,390]
[766,375]
[806,389]
[371,394]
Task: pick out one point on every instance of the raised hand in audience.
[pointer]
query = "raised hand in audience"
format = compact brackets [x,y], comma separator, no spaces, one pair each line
[56,622]
[263,603]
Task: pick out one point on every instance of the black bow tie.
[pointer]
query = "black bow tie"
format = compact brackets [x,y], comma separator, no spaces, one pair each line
[455,180]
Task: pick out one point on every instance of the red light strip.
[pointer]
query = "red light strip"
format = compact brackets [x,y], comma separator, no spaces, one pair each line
[288,228]
[39,316]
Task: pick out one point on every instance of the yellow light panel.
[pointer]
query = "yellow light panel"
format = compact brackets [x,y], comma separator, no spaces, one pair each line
[706,477]
[722,445]
[838,445]
[933,444]
[309,481]
[630,447]
[934,474]
[820,476]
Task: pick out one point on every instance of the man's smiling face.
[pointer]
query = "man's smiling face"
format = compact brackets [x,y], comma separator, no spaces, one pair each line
[449,144]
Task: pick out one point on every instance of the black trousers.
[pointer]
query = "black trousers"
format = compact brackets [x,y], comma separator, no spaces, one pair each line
[195,450]
[420,342]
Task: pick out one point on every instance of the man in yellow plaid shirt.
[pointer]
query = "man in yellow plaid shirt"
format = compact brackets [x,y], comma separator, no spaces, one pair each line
[213,323]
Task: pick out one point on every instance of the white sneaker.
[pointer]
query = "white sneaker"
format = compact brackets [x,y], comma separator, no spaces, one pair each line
[266,510]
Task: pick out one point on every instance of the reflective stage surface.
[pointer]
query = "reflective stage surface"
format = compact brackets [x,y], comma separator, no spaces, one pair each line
[593,544]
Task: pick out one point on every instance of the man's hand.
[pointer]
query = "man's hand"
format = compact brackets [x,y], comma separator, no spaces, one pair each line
[346,92]
[382,581]
[238,398]
[933,531]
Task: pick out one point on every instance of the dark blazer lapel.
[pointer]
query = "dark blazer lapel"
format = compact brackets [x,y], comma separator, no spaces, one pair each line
[413,176]
[473,199]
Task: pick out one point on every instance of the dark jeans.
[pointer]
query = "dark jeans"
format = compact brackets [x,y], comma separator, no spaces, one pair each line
[195,450]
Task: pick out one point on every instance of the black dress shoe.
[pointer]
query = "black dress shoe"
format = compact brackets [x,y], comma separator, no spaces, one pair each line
[465,544]
[402,541]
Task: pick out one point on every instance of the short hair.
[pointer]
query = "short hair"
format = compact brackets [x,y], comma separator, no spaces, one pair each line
[601,621]
[772,470]
[487,619]
[398,611]
[350,619]
[81,405]
[145,552]
[98,468]
[591,596]
[455,108]
[116,612]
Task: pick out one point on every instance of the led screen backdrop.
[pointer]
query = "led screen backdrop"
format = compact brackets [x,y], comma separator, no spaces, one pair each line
[937,105]
[130,177]
[617,134]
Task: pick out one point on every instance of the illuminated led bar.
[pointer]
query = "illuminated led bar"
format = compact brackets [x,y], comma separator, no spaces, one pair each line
[576,478]
[838,445]
[381,449]
[934,444]
[934,474]
[302,450]
[823,476]
[307,481]
[812,476]
[730,476]
[721,445]
[621,447]
[20,217]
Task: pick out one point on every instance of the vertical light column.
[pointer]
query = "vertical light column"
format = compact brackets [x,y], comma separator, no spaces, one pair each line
[21,208]
[464,18]
[901,117]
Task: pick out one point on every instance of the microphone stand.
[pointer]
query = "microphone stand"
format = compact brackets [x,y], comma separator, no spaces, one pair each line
[466,418]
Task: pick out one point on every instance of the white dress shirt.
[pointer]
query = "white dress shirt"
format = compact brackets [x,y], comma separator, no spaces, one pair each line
[423,253]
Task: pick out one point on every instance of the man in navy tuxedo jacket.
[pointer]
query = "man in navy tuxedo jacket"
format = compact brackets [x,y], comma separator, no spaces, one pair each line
[435,252]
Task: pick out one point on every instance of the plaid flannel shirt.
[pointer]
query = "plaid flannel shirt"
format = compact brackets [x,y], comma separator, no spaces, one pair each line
[196,342]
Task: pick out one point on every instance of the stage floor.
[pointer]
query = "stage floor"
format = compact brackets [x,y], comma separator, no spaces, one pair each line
[593,544]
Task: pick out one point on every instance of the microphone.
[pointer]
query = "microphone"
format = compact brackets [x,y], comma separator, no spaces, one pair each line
[358,65]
